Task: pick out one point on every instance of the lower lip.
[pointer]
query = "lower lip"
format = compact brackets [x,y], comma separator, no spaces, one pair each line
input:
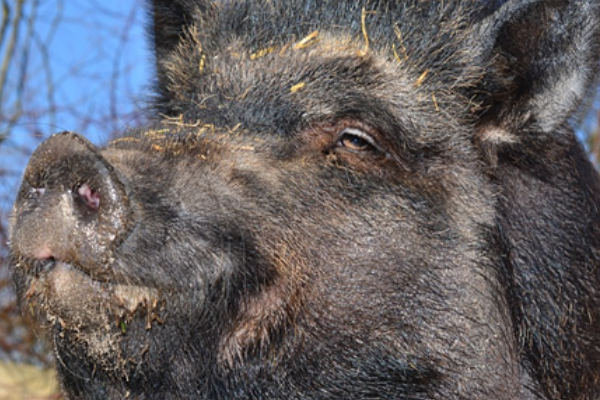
[73,291]
[67,295]
[78,300]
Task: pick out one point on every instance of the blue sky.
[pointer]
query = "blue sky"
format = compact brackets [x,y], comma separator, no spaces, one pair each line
[96,55]
[96,41]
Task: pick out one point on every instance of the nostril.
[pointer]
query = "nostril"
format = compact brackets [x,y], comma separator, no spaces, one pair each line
[43,252]
[89,197]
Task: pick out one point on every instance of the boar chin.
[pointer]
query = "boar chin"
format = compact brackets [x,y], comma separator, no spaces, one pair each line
[78,302]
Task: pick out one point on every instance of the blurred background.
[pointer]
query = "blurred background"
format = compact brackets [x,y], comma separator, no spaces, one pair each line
[85,66]
[80,65]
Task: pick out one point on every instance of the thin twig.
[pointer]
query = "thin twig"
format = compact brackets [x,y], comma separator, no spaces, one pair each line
[5,18]
[116,61]
[12,43]
[43,46]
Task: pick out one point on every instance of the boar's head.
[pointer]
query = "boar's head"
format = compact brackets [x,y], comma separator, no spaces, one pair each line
[336,200]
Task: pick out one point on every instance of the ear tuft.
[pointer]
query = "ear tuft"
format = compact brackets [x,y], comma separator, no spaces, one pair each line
[544,63]
[170,23]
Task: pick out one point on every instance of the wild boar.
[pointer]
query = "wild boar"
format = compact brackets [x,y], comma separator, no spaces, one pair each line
[336,200]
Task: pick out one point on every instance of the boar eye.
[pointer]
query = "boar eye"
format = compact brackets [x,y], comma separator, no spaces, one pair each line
[355,140]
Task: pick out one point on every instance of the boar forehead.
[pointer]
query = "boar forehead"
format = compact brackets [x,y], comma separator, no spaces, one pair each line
[260,23]
[276,73]
[283,90]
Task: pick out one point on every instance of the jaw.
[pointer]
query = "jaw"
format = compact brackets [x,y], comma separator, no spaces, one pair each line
[80,302]
[78,308]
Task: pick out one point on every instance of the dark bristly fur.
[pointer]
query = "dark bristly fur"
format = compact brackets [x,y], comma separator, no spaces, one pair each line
[337,200]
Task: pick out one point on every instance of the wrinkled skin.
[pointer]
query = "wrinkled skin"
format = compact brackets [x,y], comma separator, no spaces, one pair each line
[337,200]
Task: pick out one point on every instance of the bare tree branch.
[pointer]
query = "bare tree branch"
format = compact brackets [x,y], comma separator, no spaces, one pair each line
[42,46]
[10,50]
[5,18]
[116,61]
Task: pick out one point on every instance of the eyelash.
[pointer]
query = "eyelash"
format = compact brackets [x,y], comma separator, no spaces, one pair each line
[355,140]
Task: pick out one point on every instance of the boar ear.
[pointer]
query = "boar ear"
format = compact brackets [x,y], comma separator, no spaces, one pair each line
[170,22]
[542,58]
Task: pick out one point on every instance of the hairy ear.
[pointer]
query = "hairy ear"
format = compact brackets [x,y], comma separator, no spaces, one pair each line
[543,57]
[170,23]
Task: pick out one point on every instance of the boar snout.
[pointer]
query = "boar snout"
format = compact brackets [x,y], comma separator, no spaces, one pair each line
[73,206]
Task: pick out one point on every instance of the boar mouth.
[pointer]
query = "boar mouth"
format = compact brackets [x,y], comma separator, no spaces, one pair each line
[64,280]
[45,267]
[72,297]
